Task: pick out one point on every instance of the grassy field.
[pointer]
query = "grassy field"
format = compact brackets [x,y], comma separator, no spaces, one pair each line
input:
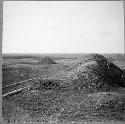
[58,98]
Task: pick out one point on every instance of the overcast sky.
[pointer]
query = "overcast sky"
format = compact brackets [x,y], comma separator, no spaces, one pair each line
[63,27]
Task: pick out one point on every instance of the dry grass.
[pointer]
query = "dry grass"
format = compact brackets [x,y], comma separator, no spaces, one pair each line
[84,95]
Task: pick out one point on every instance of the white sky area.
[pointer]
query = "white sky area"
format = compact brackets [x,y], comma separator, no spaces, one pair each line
[63,27]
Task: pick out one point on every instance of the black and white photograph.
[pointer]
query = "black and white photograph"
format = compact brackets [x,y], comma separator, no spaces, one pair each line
[63,62]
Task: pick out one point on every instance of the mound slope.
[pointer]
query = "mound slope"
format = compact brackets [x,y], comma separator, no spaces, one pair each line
[93,73]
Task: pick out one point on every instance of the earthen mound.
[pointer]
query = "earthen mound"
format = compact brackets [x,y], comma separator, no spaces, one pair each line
[93,73]
[97,73]
[47,60]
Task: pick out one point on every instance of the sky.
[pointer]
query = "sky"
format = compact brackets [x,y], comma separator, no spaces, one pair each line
[63,27]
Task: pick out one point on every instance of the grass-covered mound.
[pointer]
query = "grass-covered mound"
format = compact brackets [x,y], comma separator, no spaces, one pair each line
[93,73]
[46,60]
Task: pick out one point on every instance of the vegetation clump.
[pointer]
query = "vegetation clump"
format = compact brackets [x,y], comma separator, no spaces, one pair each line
[46,84]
